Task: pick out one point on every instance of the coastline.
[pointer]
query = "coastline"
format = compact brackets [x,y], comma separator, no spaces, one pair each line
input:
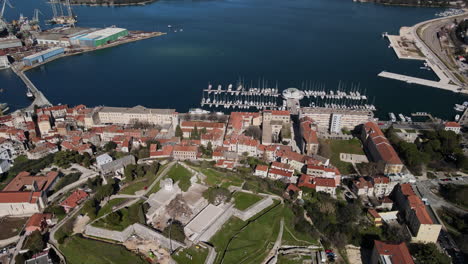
[404,5]
[151,35]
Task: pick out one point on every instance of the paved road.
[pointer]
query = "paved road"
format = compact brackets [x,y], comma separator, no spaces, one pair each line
[424,188]
[87,174]
[429,40]
[273,255]
[138,197]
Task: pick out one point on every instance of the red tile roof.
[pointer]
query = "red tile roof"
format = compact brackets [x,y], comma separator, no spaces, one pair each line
[24,178]
[19,197]
[186,148]
[361,183]
[416,204]
[398,253]
[306,181]
[374,213]
[281,173]
[452,124]
[383,146]
[325,182]
[37,220]
[261,168]
[74,199]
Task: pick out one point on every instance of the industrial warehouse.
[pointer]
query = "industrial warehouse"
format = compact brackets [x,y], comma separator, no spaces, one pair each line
[81,37]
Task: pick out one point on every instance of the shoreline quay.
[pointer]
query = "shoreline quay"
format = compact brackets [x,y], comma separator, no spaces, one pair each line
[39,98]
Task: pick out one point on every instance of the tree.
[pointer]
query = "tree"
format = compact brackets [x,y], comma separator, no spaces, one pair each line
[428,254]
[396,233]
[254,131]
[109,146]
[178,132]
[35,242]
[143,153]
[90,208]
[175,231]
[114,218]
[129,172]
[209,148]
[195,134]
[217,195]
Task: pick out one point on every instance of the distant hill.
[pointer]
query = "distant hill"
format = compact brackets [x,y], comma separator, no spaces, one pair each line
[441,3]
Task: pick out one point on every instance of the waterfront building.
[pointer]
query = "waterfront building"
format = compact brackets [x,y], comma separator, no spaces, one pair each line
[10,42]
[43,56]
[126,115]
[413,209]
[101,37]
[62,36]
[380,149]
[452,126]
[334,120]
[4,63]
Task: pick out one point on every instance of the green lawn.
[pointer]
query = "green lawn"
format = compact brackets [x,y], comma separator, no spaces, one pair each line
[128,216]
[139,184]
[244,200]
[352,146]
[191,255]
[180,174]
[217,178]
[290,235]
[252,244]
[108,207]
[78,250]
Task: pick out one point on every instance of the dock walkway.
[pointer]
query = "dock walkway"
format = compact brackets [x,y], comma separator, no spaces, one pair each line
[420,81]
[39,98]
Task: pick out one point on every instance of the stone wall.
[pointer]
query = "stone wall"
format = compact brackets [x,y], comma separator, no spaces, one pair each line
[254,209]
[136,229]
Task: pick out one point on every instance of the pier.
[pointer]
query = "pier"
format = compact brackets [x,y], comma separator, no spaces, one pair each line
[241,97]
[420,81]
[314,95]
[39,98]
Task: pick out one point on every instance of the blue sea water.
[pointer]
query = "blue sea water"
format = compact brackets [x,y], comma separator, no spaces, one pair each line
[291,41]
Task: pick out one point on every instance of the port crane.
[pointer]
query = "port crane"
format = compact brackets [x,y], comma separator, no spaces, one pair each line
[3,23]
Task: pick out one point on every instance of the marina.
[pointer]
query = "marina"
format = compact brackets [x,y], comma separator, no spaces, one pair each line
[265,97]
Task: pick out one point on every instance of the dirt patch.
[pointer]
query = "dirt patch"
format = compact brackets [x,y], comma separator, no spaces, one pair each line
[11,226]
[150,249]
[80,224]
[354,254]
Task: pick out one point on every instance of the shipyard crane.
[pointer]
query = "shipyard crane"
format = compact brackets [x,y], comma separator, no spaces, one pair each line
[35,18]
[5,2]
[3,23]
[54,8]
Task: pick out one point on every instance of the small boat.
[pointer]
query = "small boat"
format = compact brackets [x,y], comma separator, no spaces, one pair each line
[29,94]
[169,26]
[457,117]
[402,117]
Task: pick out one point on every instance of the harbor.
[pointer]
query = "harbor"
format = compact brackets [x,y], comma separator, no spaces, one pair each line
[263,97]
[26,46]
[411,44]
